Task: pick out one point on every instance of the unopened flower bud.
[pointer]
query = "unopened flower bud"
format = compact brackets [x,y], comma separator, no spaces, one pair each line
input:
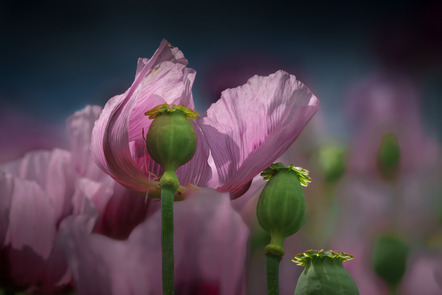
[390,258]
[389,156]
[171,140]
[324,274]
[281,205]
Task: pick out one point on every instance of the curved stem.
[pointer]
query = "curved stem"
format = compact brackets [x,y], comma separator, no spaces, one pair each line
[273,274]
[167,196]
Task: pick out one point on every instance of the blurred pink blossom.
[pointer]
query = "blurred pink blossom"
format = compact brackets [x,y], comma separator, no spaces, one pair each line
[43,190]
[388,104]
[210,252]
[370,203]
[21,133]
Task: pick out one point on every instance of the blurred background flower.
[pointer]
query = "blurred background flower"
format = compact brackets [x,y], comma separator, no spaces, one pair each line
[373,149]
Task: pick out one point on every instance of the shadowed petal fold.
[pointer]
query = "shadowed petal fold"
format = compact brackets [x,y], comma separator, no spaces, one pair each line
[252,125]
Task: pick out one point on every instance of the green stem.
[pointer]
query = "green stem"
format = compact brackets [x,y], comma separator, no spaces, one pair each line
[394,290]
[168,190]
[274,253]
[273,274]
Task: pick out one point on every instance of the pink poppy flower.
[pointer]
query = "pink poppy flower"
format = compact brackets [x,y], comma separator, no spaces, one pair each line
[239,136]
[211,243]
[44,189]
[35,197]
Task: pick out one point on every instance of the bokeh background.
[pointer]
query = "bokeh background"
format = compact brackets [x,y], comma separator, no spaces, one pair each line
[57,57]
[369,63]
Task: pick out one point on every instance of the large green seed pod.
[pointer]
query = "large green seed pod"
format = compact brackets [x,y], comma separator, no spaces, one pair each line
[324,274]
[390,258]
[281,205]
[171,140]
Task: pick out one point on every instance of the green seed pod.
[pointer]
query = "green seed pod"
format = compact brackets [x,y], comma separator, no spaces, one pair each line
[324,274]
[390,258]
[171,140]
[389,156]
[281,205]
[331,159]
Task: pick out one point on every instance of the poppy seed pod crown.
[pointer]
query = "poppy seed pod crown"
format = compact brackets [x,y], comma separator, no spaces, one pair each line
[171,140]
[324,274]
[281,205]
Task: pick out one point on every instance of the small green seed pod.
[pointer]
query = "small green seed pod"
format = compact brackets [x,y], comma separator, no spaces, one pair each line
[390,258]
[171,140]
[281,205]
[389,156]
[324,274]
[332,162]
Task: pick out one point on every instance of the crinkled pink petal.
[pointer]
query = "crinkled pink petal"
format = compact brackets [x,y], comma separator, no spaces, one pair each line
[50,170]
[252,125]
[162,79]
[79,128]
[91,193]
[210,252]
[32,219]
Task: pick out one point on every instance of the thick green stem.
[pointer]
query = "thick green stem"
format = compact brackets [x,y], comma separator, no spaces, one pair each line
[274,255]
[273,274]
[168,189]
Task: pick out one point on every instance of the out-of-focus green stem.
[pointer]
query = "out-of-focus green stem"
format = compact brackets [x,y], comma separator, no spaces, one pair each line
[394,290]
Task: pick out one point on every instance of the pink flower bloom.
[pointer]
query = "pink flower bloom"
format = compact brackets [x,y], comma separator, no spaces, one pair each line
[45,189]
[35,198]
[210,252]
[243,133]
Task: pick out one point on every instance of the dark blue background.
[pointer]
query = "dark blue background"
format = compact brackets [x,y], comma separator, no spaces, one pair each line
[58,56]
